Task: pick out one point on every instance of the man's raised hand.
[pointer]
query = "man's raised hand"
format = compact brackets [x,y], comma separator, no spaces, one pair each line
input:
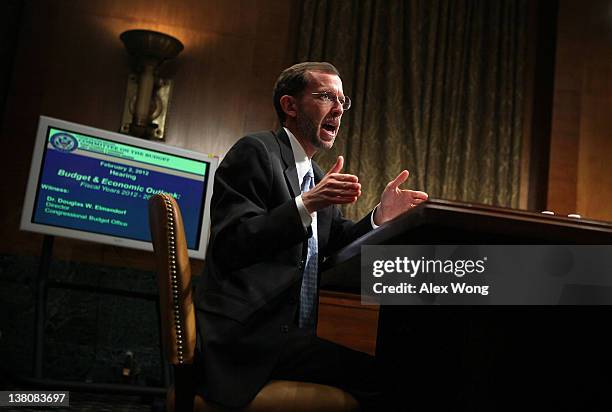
[395,201]
[334,189]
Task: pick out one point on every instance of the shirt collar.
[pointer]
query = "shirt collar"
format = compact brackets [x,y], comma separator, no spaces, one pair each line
[302,163]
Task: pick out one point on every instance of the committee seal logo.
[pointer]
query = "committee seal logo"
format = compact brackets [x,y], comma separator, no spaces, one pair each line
[64,142]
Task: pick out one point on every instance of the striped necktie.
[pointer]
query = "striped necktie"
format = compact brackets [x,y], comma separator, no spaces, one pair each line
[308,292]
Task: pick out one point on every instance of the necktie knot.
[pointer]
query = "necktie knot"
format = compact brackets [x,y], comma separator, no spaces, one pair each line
[308,182]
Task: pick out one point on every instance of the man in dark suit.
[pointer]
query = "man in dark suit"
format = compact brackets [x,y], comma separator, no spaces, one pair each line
[271,226]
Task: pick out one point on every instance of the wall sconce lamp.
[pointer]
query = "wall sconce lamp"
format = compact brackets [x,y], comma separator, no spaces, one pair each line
[147,96]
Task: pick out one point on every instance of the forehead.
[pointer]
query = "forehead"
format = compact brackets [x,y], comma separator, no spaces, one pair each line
[324,81]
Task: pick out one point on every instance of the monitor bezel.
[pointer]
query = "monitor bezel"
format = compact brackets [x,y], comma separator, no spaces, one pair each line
[33,184]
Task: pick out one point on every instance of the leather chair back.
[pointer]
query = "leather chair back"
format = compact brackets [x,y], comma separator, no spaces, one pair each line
[174,277]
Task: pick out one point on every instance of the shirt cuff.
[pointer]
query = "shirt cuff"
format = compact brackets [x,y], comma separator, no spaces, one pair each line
[304,215]
[374,225]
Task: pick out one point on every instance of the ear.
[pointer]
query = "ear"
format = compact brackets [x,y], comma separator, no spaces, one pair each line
[289,105]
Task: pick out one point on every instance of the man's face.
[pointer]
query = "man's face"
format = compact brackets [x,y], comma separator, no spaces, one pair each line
[317,120]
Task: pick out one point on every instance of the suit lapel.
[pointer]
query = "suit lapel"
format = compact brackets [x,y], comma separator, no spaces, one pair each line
[291,177]
[287,155]
[323,215]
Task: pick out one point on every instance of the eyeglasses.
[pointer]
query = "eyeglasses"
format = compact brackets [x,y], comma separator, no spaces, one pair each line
[327,97]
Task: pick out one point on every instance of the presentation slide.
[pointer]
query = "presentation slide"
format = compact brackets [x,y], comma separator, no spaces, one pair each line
[100,186]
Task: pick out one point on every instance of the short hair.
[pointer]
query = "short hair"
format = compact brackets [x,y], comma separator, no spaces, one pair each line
[293,80]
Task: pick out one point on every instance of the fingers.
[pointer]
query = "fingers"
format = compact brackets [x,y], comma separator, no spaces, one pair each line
[346,185]
[340,196]
[337,166]
[332,194]
[419,197]
[342,177]
[401,178]
[316,199]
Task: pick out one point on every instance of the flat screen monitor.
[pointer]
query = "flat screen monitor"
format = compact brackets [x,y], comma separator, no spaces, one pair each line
[92,184]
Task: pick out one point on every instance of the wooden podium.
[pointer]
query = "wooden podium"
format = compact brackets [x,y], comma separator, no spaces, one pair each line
[486,357]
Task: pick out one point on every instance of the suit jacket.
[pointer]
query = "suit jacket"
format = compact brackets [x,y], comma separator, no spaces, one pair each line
[248,297]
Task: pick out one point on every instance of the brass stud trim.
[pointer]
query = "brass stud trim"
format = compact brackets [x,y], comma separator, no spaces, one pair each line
[174,279]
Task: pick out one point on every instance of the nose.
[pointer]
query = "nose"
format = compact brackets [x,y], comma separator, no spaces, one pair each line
[337,109]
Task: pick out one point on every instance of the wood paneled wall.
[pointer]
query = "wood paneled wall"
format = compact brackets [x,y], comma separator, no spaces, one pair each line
[580,177]
[71,64]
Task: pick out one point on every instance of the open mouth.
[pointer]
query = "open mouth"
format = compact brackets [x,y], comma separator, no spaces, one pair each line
[330,128]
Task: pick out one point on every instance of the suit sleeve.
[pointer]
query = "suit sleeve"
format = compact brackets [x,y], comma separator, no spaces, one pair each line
[249,222]
[344,231]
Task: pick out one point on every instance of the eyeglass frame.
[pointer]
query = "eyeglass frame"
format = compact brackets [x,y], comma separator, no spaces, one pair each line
[326,97]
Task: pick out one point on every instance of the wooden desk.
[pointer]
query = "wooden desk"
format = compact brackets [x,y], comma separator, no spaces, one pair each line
[485,358]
